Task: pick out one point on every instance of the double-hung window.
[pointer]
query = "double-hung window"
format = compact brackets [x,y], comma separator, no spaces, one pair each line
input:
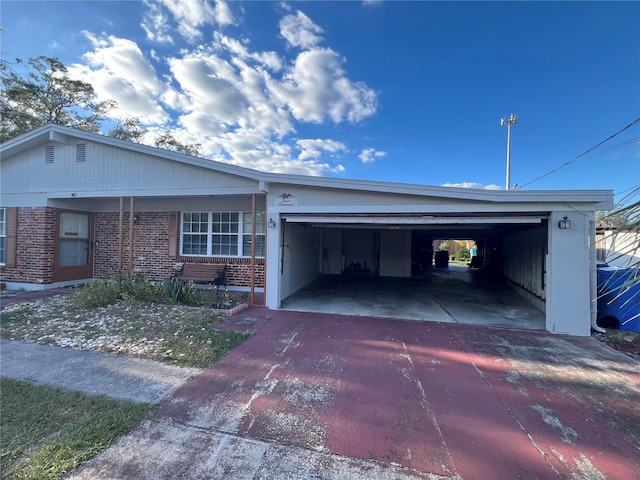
[3,235]
[221,234]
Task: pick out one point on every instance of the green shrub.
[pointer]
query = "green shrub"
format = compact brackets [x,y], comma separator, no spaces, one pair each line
[141,289]
[96,294]
[464,255]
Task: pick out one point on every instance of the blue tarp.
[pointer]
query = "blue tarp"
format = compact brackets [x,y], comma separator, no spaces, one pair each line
[617,300]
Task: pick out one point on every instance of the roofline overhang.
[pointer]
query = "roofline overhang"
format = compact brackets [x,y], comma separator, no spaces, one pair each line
[601,199]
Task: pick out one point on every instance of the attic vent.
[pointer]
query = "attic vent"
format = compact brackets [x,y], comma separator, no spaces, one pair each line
[81,152]
[49,154]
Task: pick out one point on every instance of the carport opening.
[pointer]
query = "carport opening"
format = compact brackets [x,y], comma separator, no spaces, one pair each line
[392,271]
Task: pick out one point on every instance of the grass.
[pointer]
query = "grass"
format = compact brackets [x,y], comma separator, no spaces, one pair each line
[8,318]
[48,432]
[199,347]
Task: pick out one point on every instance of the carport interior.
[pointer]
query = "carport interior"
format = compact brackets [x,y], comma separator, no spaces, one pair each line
[388,271]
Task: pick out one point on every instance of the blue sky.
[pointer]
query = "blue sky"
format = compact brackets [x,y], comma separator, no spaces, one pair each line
[409,92]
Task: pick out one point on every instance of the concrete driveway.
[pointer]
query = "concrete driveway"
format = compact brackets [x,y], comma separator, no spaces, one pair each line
[327,396]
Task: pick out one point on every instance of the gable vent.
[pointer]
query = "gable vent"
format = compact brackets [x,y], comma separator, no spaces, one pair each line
[49,154]
[81,152]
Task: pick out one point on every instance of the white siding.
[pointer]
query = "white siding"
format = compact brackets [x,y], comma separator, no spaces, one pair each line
[110,170]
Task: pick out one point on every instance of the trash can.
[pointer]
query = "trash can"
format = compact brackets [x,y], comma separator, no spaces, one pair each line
[442,258]
[618,306]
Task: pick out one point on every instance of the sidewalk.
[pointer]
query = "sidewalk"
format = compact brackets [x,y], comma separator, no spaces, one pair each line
[93,373]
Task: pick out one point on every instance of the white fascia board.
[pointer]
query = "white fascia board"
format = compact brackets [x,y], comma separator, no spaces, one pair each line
[161,193]
[423,220]
[464,209]
[499,196]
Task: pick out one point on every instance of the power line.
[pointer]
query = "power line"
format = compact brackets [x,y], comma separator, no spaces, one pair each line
[582,154]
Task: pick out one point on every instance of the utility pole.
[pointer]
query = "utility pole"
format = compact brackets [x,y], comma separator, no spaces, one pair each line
[512,120]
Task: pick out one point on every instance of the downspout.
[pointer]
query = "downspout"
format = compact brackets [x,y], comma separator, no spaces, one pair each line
[593,278]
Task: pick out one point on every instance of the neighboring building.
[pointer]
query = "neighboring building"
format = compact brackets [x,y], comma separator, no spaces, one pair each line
[77,206]
[617,248]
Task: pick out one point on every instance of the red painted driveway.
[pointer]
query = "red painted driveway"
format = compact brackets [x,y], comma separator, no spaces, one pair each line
[445,399]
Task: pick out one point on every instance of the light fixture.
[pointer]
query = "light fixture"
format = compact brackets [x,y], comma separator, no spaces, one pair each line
[272,223]
[136,219]
[564,224]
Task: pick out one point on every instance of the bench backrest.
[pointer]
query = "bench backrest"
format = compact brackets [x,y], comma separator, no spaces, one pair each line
[205,270]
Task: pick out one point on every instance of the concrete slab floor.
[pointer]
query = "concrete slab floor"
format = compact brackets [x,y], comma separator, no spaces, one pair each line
[449,295]
[333,397]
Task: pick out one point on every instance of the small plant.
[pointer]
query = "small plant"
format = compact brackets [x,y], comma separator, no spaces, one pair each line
[231,300]
[96,294]
[181,292]
[141,289]
[209,298]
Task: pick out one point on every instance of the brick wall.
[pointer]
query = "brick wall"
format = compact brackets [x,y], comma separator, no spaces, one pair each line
[35,246]
[151,258]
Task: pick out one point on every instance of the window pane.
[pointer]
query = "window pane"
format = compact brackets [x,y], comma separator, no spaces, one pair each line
[246,245]
[194,244]
[74,225]
[73,253]
[195,222]
[225,245]
[246,222]
[225,222]
[3,250]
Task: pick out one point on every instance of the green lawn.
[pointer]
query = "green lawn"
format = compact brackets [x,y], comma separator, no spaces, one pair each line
[47,432]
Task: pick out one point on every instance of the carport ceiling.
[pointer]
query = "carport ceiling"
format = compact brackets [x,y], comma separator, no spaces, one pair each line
[451,226]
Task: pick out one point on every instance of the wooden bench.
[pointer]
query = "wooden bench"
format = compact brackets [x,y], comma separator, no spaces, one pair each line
[204,273]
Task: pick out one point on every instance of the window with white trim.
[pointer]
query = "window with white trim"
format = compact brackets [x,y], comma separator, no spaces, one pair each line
[221,234]
[3,235]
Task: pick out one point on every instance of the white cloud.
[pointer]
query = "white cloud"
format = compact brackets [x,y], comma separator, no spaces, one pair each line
[230,94]
[241,104]
[316,89]
[369,155]
[190,16]
[472,185]
[270,60]
[118,71]
[312,149]
[155,23]
[300,31]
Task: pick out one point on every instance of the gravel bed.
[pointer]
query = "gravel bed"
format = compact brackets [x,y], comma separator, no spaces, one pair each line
[140,330]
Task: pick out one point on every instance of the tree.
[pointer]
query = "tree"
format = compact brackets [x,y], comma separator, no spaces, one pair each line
[169,142]
[128,129]
[46,94]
